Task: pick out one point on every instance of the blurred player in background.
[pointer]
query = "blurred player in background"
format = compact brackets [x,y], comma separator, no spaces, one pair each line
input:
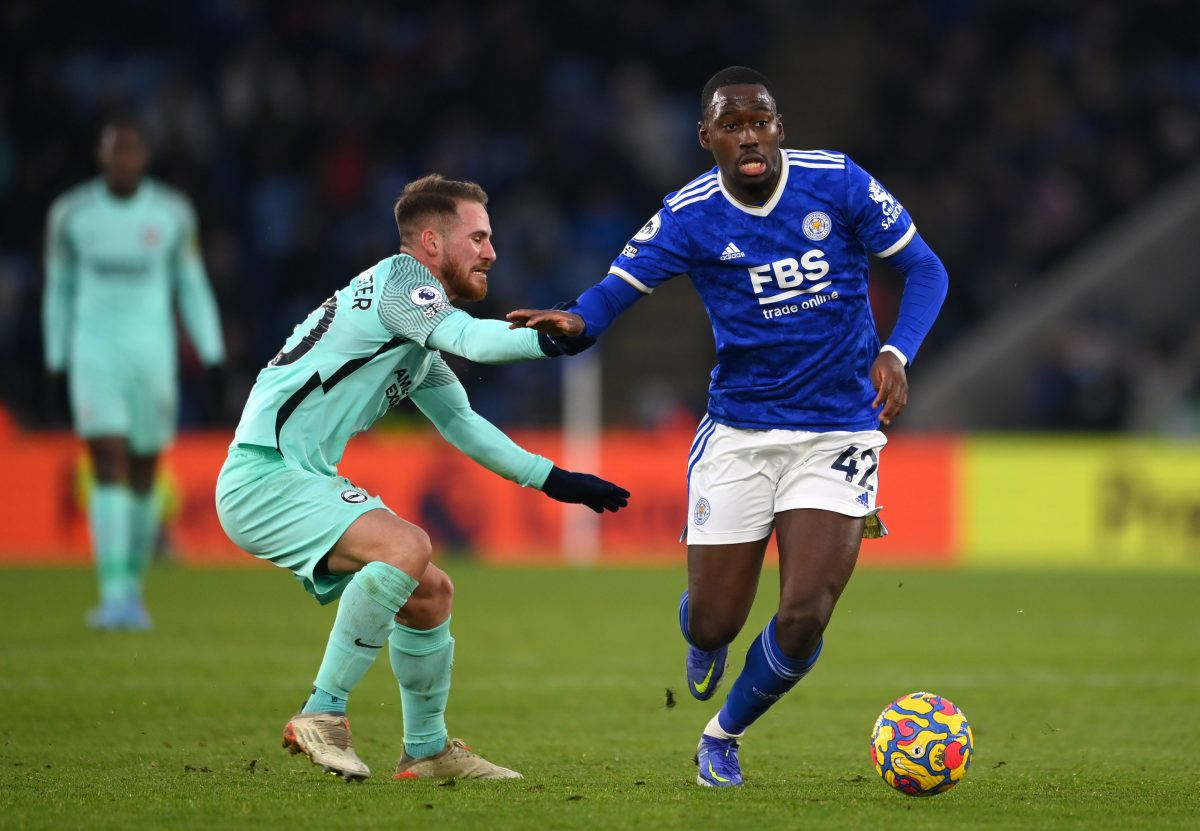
[775,242]
[122,251]
[279,496]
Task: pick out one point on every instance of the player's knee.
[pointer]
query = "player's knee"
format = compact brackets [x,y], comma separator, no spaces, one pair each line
[709,634]
[408,549]
[798,628]
[110,463]
[441,596]
[430,603]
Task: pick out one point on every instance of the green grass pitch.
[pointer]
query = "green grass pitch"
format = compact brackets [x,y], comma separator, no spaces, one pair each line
[1083,691]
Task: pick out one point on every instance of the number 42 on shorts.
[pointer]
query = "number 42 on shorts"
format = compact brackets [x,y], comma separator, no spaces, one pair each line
[847,464]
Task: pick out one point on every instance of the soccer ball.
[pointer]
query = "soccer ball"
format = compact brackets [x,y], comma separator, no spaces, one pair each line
[921,744]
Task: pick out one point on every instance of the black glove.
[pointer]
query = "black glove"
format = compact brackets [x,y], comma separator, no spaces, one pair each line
[214,393]
[557,345]
[585,489]
[58,399]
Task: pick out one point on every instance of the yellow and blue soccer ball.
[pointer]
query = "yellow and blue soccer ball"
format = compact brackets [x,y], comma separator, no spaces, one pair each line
[921,744]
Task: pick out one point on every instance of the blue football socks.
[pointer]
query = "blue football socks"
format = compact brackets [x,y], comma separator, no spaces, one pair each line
[421,662]
[365,617]
[767,675]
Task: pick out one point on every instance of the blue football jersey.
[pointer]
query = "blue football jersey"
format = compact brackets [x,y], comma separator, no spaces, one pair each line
[784,285]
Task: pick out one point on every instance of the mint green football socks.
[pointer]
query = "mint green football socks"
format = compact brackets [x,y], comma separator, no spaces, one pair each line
[421,662]
[365,617]
[143,534]
[109,518]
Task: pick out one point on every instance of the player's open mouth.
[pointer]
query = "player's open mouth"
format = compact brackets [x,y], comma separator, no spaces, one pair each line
[752,166]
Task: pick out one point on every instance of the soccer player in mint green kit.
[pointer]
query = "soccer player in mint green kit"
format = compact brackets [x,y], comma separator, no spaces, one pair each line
[372,344]
[122,250]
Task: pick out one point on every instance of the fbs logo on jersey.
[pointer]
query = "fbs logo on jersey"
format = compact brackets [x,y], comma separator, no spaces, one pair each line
[702,511]
[353,496]
[648,230]
[795,277]
[426,295]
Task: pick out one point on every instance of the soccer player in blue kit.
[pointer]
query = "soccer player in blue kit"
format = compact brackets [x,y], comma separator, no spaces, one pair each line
[776,244]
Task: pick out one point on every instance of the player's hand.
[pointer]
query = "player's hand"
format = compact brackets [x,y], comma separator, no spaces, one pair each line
[554,322]
[58,407]
[585,489]
[891,386]
[214,392]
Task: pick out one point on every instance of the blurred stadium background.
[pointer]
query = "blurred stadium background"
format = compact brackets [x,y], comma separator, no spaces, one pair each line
[1049,151]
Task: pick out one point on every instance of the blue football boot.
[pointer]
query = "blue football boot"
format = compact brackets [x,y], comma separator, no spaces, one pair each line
[128,614]
[134,615]
[108,616]
[717,760]
[703,669]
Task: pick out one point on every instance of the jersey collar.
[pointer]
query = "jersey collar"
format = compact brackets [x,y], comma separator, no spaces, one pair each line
[765,208]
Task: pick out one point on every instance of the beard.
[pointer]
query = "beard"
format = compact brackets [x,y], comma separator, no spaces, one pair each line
[464,283]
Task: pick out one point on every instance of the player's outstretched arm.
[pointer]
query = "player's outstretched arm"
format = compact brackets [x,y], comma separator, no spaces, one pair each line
[444,402]
[586,318]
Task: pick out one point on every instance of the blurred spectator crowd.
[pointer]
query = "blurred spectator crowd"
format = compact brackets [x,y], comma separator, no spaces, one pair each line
[1011,131]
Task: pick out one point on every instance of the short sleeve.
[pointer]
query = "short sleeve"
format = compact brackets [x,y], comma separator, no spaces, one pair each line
[412,303]
[654,254]
[879,220]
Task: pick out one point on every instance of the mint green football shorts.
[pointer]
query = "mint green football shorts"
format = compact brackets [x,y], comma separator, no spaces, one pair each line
[288,516]
[138,400]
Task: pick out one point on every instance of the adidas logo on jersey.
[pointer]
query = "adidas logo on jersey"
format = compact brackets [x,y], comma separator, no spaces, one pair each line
[731,252]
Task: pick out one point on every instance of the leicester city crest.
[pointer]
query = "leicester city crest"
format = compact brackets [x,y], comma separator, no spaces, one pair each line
[817,225]
[702,511]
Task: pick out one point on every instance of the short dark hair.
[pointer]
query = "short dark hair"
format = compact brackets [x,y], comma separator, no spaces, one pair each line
[729,76]
[121,119]
[432,195]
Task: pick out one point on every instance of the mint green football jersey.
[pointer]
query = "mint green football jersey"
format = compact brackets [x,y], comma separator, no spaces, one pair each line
[114,270]
[341,368]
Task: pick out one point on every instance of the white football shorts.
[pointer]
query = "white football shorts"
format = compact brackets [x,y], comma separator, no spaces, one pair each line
[739,479]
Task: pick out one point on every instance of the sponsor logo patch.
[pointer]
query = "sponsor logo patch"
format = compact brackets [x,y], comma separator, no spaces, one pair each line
[887,204]
[817,225]
[648,230]
[353,496]
[427,295]
[629,251]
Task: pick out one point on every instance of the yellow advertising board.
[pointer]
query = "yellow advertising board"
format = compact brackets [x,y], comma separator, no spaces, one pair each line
[1062,501]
